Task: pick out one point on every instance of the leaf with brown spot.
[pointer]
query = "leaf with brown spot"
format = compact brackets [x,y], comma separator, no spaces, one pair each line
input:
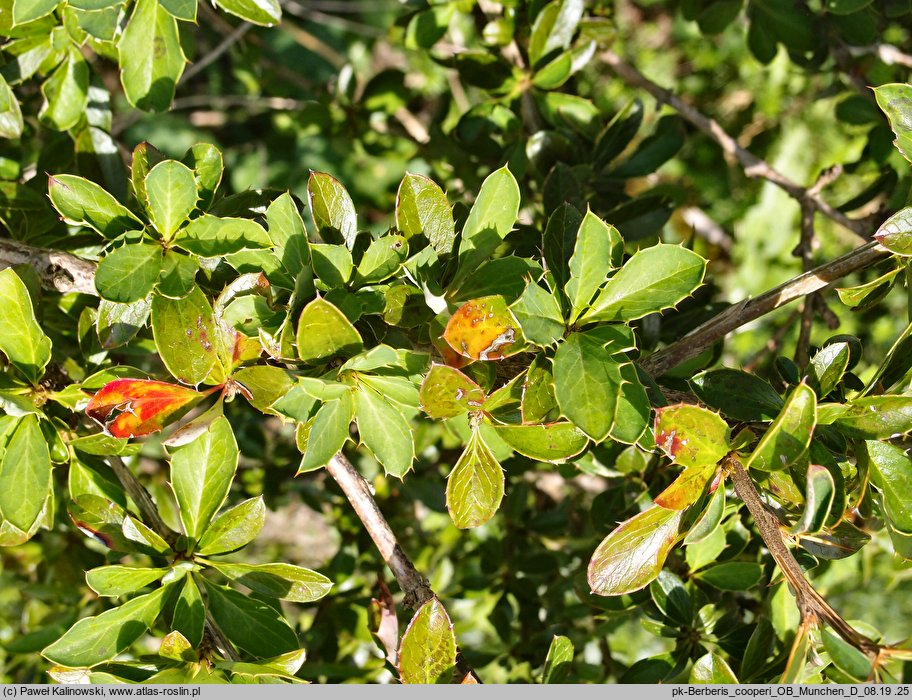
[484,329]
[135,407]
[692,436]
[447,392]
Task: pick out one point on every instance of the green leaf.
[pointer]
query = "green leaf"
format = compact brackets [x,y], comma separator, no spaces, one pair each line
[332,210]
[895,99]
[632,556]
[25,474]
[201,475]
[30,10]
[151,57]
[332,264]
[490,220]
[687,488]
[284,581]
[383,258]
[538,398]
[552,442]
[876,417]
[171,196]
[846,657]
[828,367]
[554,28]
[787,439]
[21,338]
[446,392]
[181,9]
[190,612]
[428,648]
[234,528]
[709,520]
[264,384]
[559,242]
[10,113]
[184,332]
[711,668]
[119,580]
[329,433]
[266,13]
[128,274]
[251,625]
[83,203]
[654,279]
[891,473]
[475,487]
[691,435]
[739,395]
[539,315]
[558,661]
[818,500]
[598,249]
[587,384]
[324,332]
[895,234]
[422,209]
[864,296]
[206,162]
[66,92]
[93,640]
[178,275]
[732,575]
[288,235]
[210,236]
[385,432]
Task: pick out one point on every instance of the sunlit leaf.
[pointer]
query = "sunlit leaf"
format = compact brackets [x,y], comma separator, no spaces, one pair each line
[475,487]
[788,437]
[634,553]
[428,648]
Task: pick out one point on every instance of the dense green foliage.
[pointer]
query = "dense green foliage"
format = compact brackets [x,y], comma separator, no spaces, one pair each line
[459,243]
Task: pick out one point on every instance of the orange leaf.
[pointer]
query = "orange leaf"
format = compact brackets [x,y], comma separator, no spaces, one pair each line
[134,407]
[484,329]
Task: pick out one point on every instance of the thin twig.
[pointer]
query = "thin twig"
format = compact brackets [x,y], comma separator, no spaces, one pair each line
[739,314]
[414,585]
[752,165]
[217,52]
[805,251]
[151,516]
[61,272]
[810,603]
[887,53]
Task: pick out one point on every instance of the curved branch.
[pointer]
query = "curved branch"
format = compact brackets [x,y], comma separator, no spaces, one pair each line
[749,310]
[810,603]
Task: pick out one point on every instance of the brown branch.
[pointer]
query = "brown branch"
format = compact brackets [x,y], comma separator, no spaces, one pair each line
[60,272]
[150,515]
[810,603]
[752,165]
[805,251]
[414,585]
[739,314]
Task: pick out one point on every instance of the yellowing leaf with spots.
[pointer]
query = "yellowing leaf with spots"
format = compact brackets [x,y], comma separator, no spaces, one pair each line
[484,329]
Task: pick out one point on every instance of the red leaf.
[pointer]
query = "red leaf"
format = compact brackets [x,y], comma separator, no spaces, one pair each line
[134,407]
